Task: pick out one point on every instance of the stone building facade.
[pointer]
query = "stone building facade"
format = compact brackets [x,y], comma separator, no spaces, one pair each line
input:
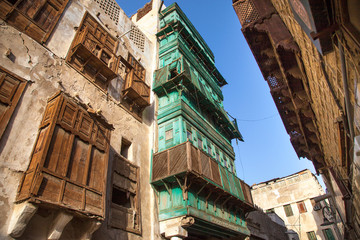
[309,54]
[78,128]
[77,121]
[292,198]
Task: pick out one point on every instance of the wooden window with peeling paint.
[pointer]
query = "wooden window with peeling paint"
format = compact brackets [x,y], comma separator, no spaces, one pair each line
[36,18]
[125,201]
[93,52]
[288,210]
[11,90]
[301,206]
[68,165]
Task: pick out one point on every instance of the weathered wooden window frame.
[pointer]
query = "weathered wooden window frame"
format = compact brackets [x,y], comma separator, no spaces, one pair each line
[29,16]
[301,207]
[68,166]
[122,171]
[311,235]
[11,90]
[288,210]
[135,87]
[93,53]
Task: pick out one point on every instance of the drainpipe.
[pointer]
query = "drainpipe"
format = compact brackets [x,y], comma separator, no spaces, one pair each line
[346,87]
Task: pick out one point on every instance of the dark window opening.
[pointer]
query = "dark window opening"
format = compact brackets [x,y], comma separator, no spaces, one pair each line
[121,198]
[125,146]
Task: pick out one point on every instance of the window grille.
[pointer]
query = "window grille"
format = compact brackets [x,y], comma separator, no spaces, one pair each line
[137,37]
[246,11]
[111,8]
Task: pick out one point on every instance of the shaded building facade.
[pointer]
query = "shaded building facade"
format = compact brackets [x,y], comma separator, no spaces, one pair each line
[308,52]
[76,121]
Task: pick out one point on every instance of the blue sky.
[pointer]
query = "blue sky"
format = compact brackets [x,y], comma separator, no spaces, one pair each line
[267,152]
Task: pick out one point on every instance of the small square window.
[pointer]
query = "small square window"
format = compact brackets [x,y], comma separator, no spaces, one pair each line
[168,135]
[200,142]
[189,135]
[271,210]
[209,149]
[288,210]
[122,198]
[125,146]
[301,207]
[311,235]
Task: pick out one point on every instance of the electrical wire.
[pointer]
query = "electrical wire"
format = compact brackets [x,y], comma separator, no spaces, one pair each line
[257,120]
[242,167]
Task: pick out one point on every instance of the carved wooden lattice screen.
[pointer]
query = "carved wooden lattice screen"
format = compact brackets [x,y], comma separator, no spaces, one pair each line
[93,52]
[135,86]
[36,18]
[69,161]
[125,205]
[11,89]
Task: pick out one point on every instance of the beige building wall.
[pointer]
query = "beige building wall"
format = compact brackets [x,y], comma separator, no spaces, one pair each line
[46,71]
[291,190]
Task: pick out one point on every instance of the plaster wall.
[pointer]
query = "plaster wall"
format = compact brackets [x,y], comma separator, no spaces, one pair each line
[302,186]
[46,71]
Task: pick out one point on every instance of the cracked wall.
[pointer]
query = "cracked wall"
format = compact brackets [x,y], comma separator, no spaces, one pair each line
[47,72]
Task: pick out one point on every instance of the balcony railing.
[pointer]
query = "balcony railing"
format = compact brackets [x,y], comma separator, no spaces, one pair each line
[185,159]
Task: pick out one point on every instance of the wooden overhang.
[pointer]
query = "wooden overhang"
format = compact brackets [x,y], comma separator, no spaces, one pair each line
[278,57]
[68,166]
[194,170]
[93,51]
[167,79]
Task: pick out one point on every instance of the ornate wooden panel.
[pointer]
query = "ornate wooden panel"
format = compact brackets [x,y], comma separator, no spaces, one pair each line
[195,161]
[215,172]
[159,167]
[93,52]
[225,180]
[135,87]
[36,18]
[11,89]
[185,158]
[205,165]
[68,166]
[178,159]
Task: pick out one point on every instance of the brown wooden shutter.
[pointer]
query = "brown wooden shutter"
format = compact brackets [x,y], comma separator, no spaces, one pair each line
[11,89]
[69,161]
[93,52]
[135,87]
[126,178]
[36,18]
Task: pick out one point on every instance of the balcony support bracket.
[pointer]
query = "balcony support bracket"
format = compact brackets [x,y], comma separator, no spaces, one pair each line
[168,189]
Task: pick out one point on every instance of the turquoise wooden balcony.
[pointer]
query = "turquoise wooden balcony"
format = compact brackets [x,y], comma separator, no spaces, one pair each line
[191,183]
[178,73]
